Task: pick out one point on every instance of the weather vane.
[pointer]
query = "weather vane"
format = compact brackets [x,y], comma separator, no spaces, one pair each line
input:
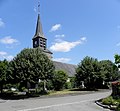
[38,6]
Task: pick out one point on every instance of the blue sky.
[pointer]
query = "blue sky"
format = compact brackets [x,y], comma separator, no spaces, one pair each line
[73,28]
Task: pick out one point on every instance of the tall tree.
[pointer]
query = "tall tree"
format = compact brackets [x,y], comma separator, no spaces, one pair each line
[88,71]
[30,65]
[3,73]
[109,70]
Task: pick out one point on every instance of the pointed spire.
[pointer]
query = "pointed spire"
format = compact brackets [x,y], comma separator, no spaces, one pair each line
[39,31]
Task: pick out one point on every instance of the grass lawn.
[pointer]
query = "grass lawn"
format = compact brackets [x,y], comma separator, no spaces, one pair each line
[20,95]
[67,92]
[62,92]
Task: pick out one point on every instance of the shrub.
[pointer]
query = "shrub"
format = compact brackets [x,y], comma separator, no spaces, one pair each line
[109,101]
[59,80]
[49,85]
[118,108]
[68,85]
[73,82]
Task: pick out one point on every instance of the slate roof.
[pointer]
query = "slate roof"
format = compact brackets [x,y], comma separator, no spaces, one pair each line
[39,31]
[47,51]
[70,69]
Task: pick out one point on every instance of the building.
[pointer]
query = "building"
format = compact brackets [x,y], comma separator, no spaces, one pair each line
[39,40]
[70,69]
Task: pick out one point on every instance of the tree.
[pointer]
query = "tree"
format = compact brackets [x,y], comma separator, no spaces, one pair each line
[117,63]
[59,79]
[88,71]
[109,70]
[117,60]
[3,73]
[30,65]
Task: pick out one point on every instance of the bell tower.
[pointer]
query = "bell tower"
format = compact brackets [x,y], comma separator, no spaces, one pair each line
[39,39]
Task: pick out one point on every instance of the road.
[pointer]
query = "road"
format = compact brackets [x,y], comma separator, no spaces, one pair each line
[69,103]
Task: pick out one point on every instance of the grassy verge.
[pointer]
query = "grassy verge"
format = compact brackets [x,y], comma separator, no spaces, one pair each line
[69,91]
[21,95]
[62,92]
[113,103]
[110,101]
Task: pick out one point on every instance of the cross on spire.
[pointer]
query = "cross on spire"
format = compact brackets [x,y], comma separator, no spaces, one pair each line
[39,39]
[38,6]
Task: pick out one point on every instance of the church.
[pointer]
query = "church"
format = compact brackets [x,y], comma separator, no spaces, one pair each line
[39,40]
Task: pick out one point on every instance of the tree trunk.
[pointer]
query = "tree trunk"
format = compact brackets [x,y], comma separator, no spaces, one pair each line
[28,87]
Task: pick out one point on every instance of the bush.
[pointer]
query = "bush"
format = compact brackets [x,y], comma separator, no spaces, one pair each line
[73,82]
[23,89]
[118,108]
[8,86]
[49,85]
[68,85]
[109,101]
[59,80]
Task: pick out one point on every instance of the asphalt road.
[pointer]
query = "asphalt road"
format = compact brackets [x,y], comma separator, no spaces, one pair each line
[68,103]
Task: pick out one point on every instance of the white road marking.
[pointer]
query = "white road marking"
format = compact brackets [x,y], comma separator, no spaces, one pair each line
[56,105]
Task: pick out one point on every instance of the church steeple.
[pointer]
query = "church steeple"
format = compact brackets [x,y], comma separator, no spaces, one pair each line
[39,31]
[39,39]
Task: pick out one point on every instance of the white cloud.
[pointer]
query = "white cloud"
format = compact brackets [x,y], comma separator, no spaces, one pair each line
[60,36]
[9,57]
[55,27]
[4,55]
[65,46]
[8,40]
[2,24]
[62,59]
[83,39]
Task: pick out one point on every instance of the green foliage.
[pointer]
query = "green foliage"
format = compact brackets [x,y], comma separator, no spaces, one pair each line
[49,85]
[109,101]
[117,59]
[88,71]
[3,70]
[71,83]
[94,73]
[59,80]
[30,65]
[3,73]
[68,85]
[108,70]
[23,89]
[118,108]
